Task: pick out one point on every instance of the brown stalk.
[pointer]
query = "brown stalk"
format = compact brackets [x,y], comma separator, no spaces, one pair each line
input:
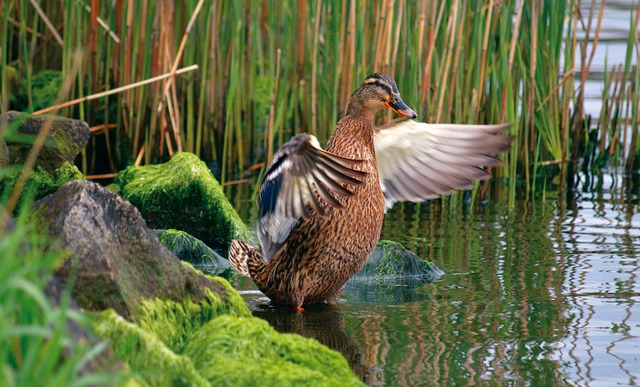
[174,67]
[272,109]
[314,70]
[396,42]
[451,32]
[454,70]
[103,176]
[485,44]
[47,22]
[105,26]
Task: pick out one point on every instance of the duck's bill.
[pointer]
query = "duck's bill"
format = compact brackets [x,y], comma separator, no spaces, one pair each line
[401,108]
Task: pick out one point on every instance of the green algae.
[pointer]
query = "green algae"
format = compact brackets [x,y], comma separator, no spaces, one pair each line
[183,194]
[238,351]
[40,182]
[151,362]
[174,322]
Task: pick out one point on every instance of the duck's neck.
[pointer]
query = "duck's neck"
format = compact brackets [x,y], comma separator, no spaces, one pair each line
[353,134]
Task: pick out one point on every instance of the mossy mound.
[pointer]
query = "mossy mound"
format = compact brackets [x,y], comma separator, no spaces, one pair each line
[184,344]
[194,251]
[183,194]
[40,183]
[174,322]
[151,362]
[238,351]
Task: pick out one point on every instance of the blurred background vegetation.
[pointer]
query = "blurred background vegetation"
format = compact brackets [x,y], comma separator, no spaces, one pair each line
[267,69]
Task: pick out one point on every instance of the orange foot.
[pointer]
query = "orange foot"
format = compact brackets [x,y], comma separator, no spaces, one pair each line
[299,309]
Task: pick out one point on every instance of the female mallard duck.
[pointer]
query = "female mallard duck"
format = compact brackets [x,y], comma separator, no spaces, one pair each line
[320,212]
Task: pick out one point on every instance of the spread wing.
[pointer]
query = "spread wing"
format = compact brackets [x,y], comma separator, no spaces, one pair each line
[419,161]
[300,179]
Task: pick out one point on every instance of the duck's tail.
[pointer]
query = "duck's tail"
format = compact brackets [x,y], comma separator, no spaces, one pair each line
[241,254]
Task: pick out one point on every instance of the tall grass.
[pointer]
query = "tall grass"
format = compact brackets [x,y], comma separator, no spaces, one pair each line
[271,68]
[36,343]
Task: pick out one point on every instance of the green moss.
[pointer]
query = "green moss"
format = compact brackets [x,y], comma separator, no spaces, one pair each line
[235,351]
[151,362]
[174,322]
[183,194]
[40,183]
[45,87]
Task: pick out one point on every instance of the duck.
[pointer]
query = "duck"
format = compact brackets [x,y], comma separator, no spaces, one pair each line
[320,211]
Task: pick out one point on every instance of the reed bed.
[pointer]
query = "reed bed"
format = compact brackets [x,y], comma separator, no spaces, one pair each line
[268,69]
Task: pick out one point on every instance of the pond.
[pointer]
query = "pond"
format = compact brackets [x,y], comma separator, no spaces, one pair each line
[545,293]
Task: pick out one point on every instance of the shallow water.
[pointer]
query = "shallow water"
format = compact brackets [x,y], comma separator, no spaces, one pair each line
[545,293]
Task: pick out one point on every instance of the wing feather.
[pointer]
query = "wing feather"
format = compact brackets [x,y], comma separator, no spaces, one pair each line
[419,161]
[302,179]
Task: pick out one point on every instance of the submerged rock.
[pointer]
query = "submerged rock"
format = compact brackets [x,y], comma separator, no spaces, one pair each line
[40,182]
[183,194]
[194,251]
[391,261]
[392,274]
[66,138]
[114,260]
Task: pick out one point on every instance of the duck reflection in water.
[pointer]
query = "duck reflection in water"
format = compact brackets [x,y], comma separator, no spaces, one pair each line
[324,323]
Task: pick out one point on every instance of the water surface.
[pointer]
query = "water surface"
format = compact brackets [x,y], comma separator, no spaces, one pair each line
[545,293]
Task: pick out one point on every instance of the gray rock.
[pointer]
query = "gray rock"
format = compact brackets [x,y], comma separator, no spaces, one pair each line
[65,140]
[54,290]
[115,260]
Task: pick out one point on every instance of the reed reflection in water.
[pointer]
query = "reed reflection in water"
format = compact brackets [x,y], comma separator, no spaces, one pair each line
[544,294]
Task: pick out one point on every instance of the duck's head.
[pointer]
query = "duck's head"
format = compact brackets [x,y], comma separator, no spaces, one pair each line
[376,92]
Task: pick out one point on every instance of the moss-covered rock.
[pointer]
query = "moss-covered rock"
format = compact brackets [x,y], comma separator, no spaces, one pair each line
[114,260]
[66,138]
[392,274]
[151,362]
[184,343]
[183,194]
[194,251]
[238,351]
[390,260]
[40,182]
